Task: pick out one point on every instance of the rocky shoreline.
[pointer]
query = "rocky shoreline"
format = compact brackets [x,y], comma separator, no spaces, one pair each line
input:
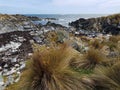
[18,33]
[34,18]
[108,24]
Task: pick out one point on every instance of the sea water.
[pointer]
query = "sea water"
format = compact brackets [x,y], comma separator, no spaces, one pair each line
[63,19]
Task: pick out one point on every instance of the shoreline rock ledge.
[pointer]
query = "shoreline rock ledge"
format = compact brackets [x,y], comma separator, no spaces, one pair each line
[106,24]
[10,23]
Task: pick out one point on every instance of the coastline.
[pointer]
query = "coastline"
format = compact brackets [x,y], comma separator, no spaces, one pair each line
[21,31]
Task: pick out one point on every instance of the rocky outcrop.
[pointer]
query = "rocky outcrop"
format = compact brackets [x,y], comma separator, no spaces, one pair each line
[35,18]
[10,23]
[15,43]
[54,25]
[108,24]
[17,35]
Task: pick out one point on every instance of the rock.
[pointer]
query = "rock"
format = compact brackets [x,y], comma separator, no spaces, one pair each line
[10,80]
[75,46]
[22,66]
[10,23]
[17,65]
[54,25]
[37,39]
[108,24]
[62,36]
[12,44]
[34,18]
[30,54]
[5,66]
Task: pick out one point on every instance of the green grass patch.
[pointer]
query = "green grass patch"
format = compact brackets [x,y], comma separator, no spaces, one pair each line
[83,71]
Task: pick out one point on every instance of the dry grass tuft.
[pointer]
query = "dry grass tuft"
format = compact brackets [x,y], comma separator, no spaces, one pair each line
[107,78]
[49,69]
[89,60]
[114,39]
[96,44]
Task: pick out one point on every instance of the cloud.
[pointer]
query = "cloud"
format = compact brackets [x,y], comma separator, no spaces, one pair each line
[110,4]
[75,2]
[87,3]
[60,6]
[89,6]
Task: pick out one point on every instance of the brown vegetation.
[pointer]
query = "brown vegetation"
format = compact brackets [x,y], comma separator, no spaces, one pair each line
[49,69]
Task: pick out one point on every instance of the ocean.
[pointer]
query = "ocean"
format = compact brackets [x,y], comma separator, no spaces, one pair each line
[63,19]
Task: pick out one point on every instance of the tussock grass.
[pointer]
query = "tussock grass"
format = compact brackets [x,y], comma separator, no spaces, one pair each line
[107,78]
[89,60]
[60,67]
[114,39]
[49,69]
[113,42]
[96,44]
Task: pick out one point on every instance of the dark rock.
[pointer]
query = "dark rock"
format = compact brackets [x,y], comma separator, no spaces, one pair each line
[21,52]
[34,18]
[54,25]
[108,24]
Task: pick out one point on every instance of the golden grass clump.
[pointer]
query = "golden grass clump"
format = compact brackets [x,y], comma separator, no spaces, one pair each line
[107,78]
[94,56]
[89,60]
[114,39]
[113,42]
[96,44]
[49,69]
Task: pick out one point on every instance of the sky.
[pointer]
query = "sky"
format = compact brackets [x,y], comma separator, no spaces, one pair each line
[59,6]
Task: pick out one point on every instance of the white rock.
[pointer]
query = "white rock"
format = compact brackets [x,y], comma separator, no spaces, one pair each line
[30,54]
[14,60]
[77,33]
[5,70]
[0,68]
[21,39]
[17,65]
[5,65]
[10,80]
[22,66]
[12,45]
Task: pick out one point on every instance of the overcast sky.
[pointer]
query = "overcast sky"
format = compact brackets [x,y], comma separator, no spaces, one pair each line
[60,6]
